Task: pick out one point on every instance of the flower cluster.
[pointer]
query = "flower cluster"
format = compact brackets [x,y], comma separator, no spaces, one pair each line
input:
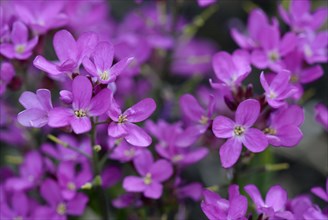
[115,116]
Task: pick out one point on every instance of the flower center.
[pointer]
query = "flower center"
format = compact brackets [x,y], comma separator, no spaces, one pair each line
[177,158]
[308,51]
[71,186]
[294,79]
[80,113]
[61,209]
[104,75]
[122,119]
[272,95]
[20,48]
[203,120]
[239,130]
[274,56]
[129,153]
[270,131]
[147,179]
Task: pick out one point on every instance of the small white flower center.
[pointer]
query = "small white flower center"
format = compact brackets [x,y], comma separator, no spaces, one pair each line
[147,179]
[274,56]
[122,119]
[104,75]
[61,209]
[80,113]
[239,130]
[203,120]
[270,131]
[71,186]
[20,48]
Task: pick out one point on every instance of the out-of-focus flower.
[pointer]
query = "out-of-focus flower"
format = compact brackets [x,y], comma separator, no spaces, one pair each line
[299,17]
[153,174]
[84,106]
[204,3]
[7,72]
[125,152]
[40,15]
[321,192]
[20,47]
[239,132]
[70,53]
[231,70]
[272,48]
[127,199]
[216,207]
[123,123]
[192,190]
[274,204]
[278,90]
[99,64]
[256,21]
[299,205]
[110,176]
[321,115]
[37,107]
[314,47]
[283,129]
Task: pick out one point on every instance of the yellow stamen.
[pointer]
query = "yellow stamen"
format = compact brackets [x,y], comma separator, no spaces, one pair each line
[147,179]
[270,131]
[61,209]
[80,113]
[122,119]
[239,130]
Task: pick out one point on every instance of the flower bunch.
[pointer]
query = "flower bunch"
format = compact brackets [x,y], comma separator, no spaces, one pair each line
[115,119]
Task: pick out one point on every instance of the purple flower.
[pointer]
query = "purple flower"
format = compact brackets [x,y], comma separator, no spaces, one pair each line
[59,207]
[20,48]
[231,70]
[216,207]
[204,3]
[321,192]
[123,123]
[299,205]
[7,72]
[70,180]
[153,174]
[272,48]
[41,16]
[126,200]
[70,53]
[274,204]
[299,17]
[321,115]
[84,106]
[30,172]
[100,63]
[110,176]
[239,132]
[37,107]
[195,113]
[125,152]
[314,47]
[192,190]
[283,129]
[278,90]
[299,74]
[256,21]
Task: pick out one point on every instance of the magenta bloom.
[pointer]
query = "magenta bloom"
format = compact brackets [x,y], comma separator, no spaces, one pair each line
[321,115]
[37,107]
[100,63]
[153,174]
[239,132]
[123,123]
[272,48]
[299,17]
[59,207]
[204,3]
[278,90]
[69,52]
[21,48]
[83,107]
[283,129]
[231,70]
[274,204]
[321,192]
[125,152]
[256,21]
[216,207]
[7,72]
[41,16]
[314,47]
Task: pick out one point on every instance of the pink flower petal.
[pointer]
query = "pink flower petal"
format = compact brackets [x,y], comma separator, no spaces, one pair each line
[161,170]
[134,184]
[230,152]
[223,127]
[247,112]
[255,140]
[140,111]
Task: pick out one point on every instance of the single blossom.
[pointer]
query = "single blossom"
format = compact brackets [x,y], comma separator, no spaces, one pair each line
[273,48]
[275,202]
[300,18]
[20,47]
[278,90]
[283,129]
[125,152]
[83,107]
[198,116]
[99,64]
[192,190]
[59,207]
[153,173]
[37,107]
[7,72]
[321,115]
[299,205]
[69,52]
[321,192]
[216,207]
[314,47]
[251,39]
[205,3]
[239,132]
[126,200]
[123,123]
